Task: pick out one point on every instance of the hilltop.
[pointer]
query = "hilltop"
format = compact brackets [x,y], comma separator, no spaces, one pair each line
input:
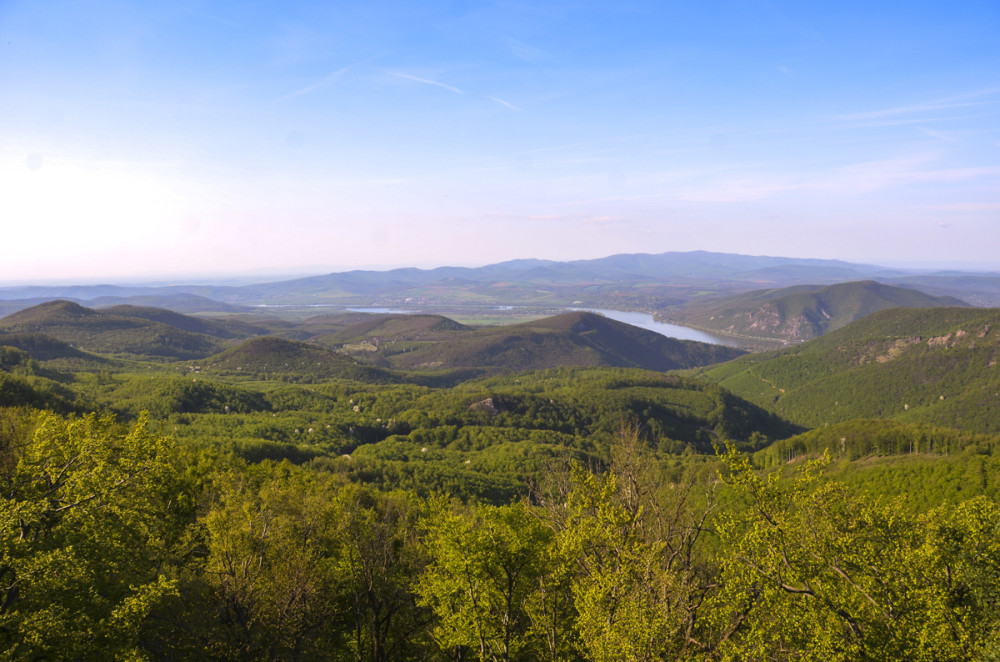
[936,365]
[396,328]
[222,329]
[803,312]
[127,331]
[571,339]
[369,348]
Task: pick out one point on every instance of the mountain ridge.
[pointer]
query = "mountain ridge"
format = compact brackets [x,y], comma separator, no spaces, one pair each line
[939,366]
[633,281]
[801,312]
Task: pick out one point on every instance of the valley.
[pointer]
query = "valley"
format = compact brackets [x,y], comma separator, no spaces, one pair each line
[225,479]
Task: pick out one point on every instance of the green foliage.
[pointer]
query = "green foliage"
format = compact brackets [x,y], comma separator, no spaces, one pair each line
[273,568]
[162,396]
[291,361]
[936,366]
[862,438]
[271,523]
[109,333]
[38,392]
[818,573]
[483,439]
[300,566]
[482,580]
[88,513]
[621,592]
[570,339]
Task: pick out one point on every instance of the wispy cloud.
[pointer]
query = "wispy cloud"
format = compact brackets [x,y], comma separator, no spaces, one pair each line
[746,184]
[323,82]
[526,52]
[865,177]
[978,98]
[425,81]
[937,135]
[505,104]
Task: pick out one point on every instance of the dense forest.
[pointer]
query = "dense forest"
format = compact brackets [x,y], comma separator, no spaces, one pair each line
[243,498]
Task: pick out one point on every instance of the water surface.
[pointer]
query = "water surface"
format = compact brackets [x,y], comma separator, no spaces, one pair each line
[646,321]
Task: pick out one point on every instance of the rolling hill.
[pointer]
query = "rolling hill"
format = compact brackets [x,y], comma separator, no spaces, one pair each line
[398,328]
[223,329]
[795,314]
[370,348]
[42,347]
[939,366]
[571,339]
[289,360]
[135,331]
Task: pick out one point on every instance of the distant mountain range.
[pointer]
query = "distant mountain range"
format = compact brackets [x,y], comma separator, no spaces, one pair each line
[634,281]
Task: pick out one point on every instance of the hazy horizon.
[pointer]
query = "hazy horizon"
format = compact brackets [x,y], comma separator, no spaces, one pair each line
[162,141]
[249,277]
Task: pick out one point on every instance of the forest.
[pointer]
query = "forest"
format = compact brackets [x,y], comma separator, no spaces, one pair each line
[293,504]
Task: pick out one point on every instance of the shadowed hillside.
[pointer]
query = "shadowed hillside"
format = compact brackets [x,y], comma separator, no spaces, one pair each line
[226,330]
[571,339]
[795,314]
[110,333]
[289,360]
[936,365]
[399,327]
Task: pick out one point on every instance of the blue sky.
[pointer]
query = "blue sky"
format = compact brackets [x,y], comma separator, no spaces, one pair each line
[168,139]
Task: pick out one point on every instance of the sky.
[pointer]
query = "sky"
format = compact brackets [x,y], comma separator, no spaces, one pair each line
[195,139]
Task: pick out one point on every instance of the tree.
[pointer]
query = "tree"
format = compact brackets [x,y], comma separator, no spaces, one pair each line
[818,573]
[87,516]
[629,547]
[381,556]
[482,580]
[274,567]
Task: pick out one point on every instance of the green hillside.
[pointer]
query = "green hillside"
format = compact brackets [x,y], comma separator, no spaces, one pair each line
[936,366]
[224,329]
[288,360]
[42,347]
[401,327]
[571,339]
[110,333]
[370,348]
[803,312]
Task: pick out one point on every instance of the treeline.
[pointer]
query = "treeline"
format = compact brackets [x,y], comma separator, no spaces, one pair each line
[861,438]
[119,543]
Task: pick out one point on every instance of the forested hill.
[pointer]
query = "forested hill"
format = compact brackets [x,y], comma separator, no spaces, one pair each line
[110,333]
[270,357]
[570,339]
[936,365]
[391,328]
[795,314]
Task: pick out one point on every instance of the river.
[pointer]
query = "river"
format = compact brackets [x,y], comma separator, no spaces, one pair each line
[646,321]
[641,320]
